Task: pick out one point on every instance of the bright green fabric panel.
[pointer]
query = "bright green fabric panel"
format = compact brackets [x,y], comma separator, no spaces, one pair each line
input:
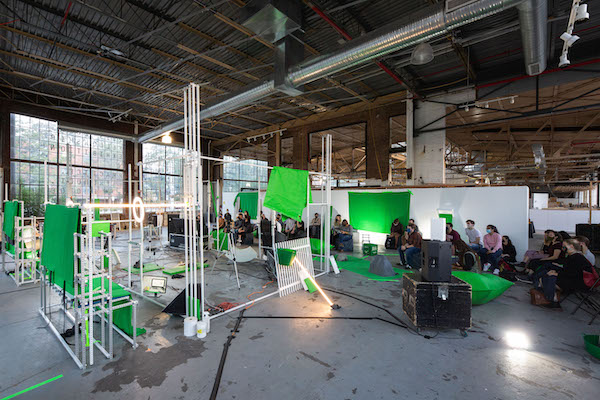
[361,266]
[101,226]
[592,345]
[12,209]
[57,252]
[214,199]
[248,202]
[148,267]
[286,192]
[96,211]
[484,287]
[224,245]
[122,319]
[317,246]
[447,217]
[375,212]
[179,269]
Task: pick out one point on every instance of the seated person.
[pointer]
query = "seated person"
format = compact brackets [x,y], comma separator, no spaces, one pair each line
[315,226]
[239,222]
[474,235]
[554,253]
[585,244]
[492,249]
[509,253]
[288,226]
[298,231]
[245,229]
[278,225]
[567,277]
[247,215]
[227,216]
[462,249]
[451,235]
[337,223]
[265,224]
[410,251]
[396,231]
[537,254]
[344,238]
[221,221]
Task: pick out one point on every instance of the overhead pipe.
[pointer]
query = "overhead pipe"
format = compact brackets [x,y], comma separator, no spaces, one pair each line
[533,17]
[378,43]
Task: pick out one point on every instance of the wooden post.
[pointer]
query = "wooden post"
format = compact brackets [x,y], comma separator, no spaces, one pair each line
[590,202]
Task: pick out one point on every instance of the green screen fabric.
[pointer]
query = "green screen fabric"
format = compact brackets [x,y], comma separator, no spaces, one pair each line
[101,226]
[57,252]
[286,191]
[122,319]
[361,266]
[248,202]
[447,217]
[375,212]
[224,243]
[485,287]
[12,209]
[97,211]
[214,199]
[317,246]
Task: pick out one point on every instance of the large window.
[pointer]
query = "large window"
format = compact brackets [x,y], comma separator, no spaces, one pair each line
[237,177]
[96,164]
[163,173]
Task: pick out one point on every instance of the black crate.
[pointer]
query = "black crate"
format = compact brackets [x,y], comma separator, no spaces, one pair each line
[424,307]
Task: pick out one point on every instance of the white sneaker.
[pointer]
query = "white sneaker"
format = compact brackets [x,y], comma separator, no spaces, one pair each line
[496,271]
[486,266]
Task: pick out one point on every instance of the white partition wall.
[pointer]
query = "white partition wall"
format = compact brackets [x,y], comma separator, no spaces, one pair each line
[562,220]
[506,207]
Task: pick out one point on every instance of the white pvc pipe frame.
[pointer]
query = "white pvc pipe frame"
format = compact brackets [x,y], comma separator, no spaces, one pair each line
[193,185]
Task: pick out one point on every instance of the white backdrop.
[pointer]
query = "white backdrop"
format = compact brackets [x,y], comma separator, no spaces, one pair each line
[562,220]
[505,207]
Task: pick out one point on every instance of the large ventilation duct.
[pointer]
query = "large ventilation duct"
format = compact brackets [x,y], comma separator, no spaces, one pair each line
[378,43]
[533,18]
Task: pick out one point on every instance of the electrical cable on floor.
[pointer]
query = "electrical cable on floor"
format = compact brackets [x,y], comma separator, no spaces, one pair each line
[217,383]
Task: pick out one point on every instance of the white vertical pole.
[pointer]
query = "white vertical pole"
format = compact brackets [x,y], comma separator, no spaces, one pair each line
[186,198]
[129,189]
[45,182]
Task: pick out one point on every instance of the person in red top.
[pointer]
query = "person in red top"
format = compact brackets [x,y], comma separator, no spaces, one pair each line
[492,249]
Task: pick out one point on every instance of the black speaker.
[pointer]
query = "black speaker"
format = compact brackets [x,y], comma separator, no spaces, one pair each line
[436,261]
[592,232]
[175,225]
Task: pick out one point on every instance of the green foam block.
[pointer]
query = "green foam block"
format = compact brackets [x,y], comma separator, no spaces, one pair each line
[591,345]
[179,269]
[361,266]
[148,267]
[311,286]
[484,287]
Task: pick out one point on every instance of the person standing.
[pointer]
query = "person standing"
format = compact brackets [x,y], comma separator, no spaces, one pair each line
[474,235]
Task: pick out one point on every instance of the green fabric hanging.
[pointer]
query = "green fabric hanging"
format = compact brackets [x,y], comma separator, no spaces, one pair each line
[375,212]
[60,224]
[97,211]
[286,192]
[214,199]
[122,319]
[248,202]
[12,209]
[447,217]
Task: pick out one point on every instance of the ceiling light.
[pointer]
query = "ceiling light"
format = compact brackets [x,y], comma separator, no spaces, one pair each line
[564,61]
[422,54]
[487,105]
[582,13]
[467,108]
[569,39]
[512,100]
[167,138]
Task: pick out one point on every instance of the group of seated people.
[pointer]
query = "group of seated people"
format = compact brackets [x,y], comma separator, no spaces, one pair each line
[559,267]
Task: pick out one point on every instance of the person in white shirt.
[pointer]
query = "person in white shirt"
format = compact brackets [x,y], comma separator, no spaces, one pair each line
[278,223]
[474,235]
[585,242]
[288,225]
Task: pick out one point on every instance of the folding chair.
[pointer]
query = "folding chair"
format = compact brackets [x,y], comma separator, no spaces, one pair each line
[587,302]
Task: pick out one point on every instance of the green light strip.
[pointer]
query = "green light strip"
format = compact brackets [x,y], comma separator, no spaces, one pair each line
[32,387]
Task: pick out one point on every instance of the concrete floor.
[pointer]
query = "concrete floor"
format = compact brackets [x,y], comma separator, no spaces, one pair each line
[314,358]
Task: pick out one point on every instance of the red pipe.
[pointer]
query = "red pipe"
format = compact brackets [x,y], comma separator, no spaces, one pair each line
[347,36]
[582,143]
[10,22]
[66,13]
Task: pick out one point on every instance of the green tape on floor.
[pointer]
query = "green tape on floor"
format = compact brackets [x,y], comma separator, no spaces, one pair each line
[361,266]
[179,269]
[32,387]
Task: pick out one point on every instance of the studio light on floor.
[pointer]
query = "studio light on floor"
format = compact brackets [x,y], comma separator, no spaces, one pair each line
[517,340]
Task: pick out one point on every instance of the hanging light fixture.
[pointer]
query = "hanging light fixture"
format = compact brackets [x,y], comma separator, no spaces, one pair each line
[167,139]
[422,54]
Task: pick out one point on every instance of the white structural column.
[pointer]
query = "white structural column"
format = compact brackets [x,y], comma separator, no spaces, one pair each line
[425,151]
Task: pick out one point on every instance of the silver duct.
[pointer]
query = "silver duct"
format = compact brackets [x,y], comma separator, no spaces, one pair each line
[533,18]
[378,43]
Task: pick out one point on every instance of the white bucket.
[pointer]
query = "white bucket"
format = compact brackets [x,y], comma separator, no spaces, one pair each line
[201,329]
[206,318]
[189,326]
